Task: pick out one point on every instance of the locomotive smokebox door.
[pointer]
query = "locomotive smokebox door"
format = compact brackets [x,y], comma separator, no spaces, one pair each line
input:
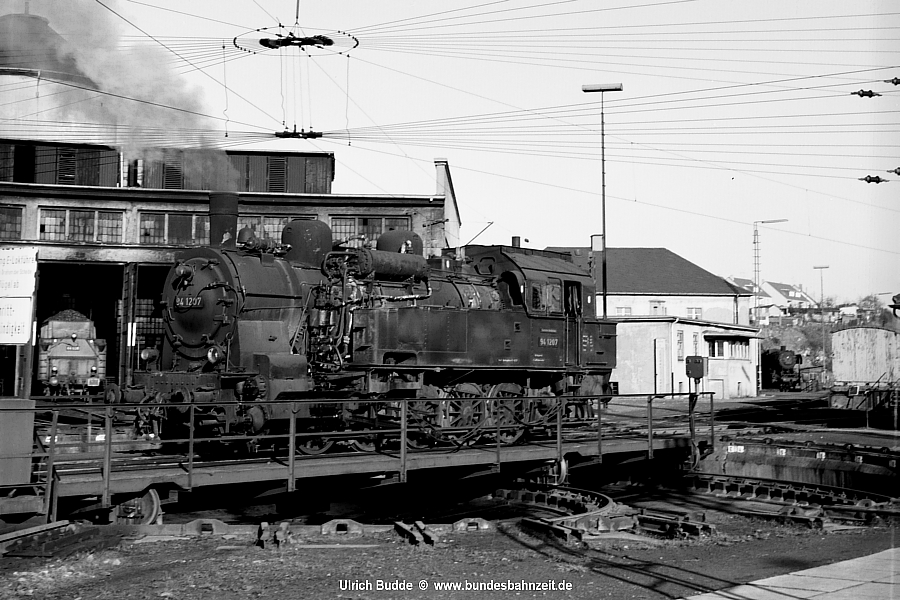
[695,366]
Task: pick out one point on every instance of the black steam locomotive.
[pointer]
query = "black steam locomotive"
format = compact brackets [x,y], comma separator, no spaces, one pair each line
[477,342]
[781,369]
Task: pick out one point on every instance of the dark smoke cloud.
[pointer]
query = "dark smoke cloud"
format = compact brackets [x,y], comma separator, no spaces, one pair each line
[146,104]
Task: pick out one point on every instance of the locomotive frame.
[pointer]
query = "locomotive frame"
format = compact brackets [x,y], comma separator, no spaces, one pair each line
[483,339]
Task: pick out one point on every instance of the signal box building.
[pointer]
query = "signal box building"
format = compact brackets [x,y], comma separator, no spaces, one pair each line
[666,309]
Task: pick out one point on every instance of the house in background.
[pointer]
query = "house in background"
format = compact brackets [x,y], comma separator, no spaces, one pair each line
[762,305]
[789,297]
[668,308]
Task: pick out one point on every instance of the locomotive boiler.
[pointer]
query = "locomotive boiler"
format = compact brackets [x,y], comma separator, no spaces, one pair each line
[477,340]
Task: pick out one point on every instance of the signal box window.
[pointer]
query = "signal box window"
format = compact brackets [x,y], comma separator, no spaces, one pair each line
[717,348]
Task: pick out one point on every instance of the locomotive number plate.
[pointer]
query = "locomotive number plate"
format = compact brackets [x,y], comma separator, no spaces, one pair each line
[93,381]
[72,348]
[550,342]
[188,301]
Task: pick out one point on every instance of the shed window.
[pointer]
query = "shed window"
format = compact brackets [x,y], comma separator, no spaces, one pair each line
[174,228]
[81,225]
[53,225]
[109,226]
[346,228]
[181,229]
[10,223]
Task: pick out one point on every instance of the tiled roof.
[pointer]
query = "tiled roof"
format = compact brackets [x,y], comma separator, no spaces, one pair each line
[747,285]
[654,271]
[791,292]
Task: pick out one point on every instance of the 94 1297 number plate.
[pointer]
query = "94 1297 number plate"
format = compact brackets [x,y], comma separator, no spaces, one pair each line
[188,301]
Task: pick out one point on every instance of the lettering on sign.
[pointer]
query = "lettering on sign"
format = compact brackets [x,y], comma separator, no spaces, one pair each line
[17,269]
[188,301]
[15,320]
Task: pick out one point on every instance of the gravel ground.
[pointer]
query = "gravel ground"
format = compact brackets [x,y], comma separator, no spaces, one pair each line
[225,568]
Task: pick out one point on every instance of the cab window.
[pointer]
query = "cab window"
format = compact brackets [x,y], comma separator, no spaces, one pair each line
[553,296]
[537,296]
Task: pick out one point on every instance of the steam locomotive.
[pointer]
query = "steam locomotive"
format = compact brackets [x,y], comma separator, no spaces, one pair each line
[71,359]
[479,341]
[781,369]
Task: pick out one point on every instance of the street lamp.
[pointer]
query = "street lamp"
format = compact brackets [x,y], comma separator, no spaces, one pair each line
[821,269]
[602,88]
[756,282]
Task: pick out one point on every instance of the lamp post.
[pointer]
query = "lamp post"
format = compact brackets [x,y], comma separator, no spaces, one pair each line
[821,269]
[756,282]
[602,88]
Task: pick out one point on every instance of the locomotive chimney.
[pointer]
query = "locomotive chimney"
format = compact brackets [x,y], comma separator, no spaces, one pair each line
[516,242]
[223,214]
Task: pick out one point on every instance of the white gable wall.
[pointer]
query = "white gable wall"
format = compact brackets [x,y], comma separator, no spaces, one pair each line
[719,309]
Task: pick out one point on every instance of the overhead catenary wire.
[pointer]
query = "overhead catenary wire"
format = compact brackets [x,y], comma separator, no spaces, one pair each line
[650,121]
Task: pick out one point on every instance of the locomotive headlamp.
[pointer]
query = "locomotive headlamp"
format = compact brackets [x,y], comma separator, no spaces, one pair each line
[149,354]
[183,276]
[214,355]
[93,369]
[74,336]
[55,369]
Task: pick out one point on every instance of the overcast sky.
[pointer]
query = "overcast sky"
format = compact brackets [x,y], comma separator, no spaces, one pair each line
[732,112]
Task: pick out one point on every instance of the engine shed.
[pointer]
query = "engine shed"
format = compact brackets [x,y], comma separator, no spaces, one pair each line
[105,231]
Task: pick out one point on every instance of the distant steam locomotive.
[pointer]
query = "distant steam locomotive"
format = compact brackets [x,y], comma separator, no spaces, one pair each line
[479,342]
[71,359]
[781,370]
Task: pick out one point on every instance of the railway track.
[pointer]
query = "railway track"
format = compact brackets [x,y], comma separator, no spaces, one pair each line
[586,516]
[813,504]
